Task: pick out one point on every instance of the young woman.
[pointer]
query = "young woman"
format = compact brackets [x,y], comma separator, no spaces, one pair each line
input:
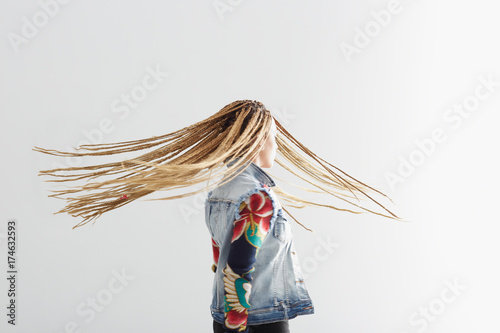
[261,281]
[258,284]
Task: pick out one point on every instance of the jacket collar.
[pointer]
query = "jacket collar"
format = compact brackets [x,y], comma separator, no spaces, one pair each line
[255,171]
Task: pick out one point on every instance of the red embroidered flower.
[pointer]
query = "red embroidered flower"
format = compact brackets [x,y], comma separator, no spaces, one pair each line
[252,213]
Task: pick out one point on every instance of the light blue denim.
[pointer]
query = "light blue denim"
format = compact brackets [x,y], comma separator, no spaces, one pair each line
[278,288]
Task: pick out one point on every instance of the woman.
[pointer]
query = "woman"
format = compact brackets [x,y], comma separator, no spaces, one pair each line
[261,282]
[259,285]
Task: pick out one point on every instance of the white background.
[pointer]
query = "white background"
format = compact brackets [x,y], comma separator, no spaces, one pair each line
[363,113]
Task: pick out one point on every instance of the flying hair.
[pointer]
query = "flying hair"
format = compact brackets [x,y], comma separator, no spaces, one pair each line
[200,153]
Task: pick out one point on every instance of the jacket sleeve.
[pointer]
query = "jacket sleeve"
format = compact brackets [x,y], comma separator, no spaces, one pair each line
[249,231]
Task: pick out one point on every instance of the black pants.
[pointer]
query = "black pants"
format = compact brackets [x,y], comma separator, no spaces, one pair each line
[277,327]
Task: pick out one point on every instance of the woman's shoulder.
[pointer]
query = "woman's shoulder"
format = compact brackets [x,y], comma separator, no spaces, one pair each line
[238,188]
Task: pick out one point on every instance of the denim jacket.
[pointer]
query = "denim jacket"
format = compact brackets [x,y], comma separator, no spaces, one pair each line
[278,288]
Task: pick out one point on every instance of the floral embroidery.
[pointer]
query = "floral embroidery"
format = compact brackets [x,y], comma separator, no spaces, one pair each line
[237,291]
[254,223]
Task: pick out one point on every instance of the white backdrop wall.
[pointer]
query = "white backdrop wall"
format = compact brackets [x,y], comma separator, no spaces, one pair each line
[403,95]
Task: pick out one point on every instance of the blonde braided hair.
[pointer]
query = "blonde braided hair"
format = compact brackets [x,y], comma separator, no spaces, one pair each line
[195,154]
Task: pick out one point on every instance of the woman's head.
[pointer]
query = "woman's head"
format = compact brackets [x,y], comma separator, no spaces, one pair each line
[254,118]
[250,129]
